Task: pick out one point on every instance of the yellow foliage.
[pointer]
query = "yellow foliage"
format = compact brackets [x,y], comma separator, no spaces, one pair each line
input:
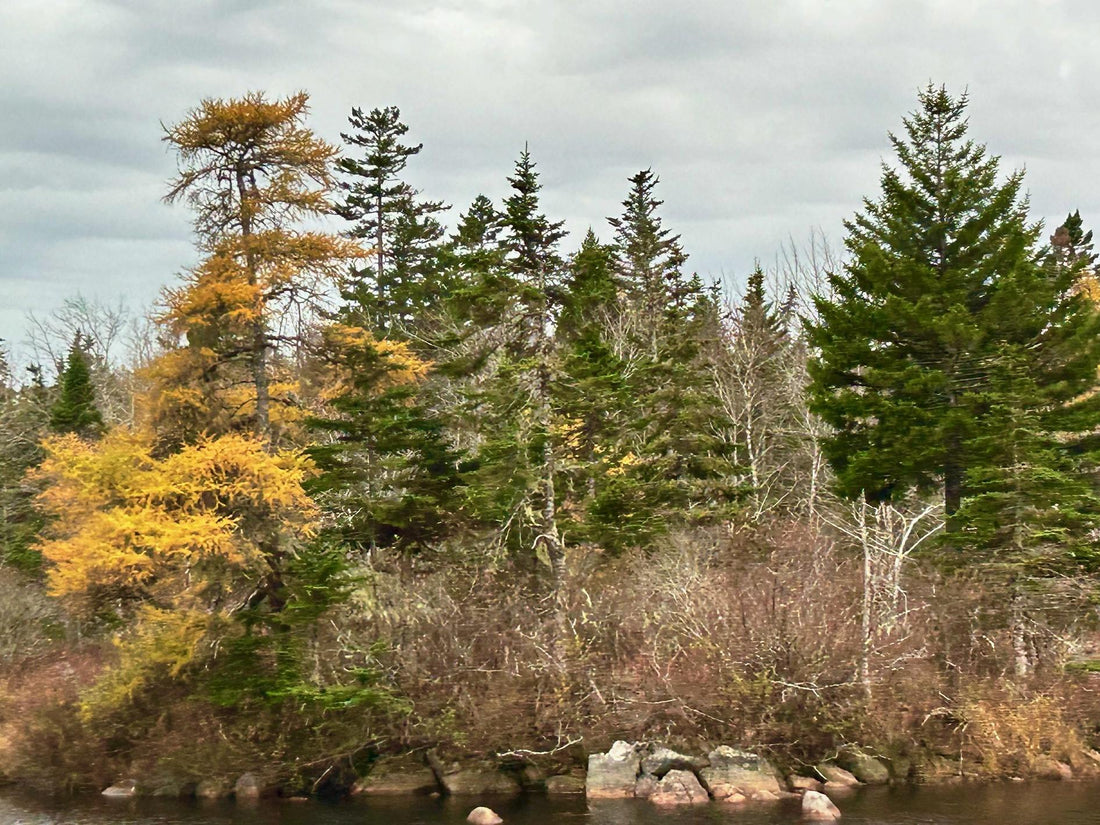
[346,347]
[160,644]
[178,530]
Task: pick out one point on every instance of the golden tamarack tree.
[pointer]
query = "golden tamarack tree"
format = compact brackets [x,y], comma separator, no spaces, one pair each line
[253,173]
[181,527]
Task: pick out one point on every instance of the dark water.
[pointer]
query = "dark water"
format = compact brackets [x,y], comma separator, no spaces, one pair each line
[1003,804]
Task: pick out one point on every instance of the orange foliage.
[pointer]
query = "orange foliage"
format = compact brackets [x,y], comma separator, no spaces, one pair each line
[185,531]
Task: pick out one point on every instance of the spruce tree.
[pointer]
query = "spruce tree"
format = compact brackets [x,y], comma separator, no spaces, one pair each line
[406,276]
[75,409]
[944,277]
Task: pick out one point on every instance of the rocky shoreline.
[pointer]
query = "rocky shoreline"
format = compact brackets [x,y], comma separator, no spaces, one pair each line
[653,771]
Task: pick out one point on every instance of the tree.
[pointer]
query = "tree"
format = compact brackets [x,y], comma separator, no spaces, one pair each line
[387,476]
[389,214]
[250,169]
[649,257]
[75,409]
[944,277]
[531,243]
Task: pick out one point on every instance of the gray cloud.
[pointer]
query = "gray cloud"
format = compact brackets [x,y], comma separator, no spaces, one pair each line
[763,119]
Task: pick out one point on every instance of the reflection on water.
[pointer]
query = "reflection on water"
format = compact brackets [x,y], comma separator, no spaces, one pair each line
[1002,804]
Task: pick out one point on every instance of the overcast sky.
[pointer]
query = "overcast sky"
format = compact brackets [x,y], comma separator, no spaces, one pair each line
[763,119]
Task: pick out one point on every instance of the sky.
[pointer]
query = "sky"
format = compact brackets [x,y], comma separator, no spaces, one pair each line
[764,120]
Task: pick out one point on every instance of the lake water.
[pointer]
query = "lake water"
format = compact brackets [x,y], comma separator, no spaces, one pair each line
[998,804]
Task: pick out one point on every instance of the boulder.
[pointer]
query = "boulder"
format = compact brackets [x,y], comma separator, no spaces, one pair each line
[1046,767]
[125,788]
[679,788]
[864,767]
[799,784]
[213,789]
[738,773]
[818,806]
[483,816]
[460,779]
[393,779]
[252,786]
[483,780]
[564,784]
[613,775]
[646,786]
[835,776]
[531,777]
[659,760]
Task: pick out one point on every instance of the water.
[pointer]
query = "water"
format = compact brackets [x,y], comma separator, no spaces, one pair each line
[1000,804]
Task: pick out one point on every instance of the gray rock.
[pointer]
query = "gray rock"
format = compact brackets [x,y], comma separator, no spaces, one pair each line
[863,766]
[734,773]
[818,806]
[386,780]
[679,788]
[251,786]
[646,786]
[564,785]
[125,788]
[835,776]
[483,816]
[659,760]
[467,779]
[613,775]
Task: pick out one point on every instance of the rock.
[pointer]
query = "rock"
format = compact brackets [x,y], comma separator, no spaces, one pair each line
[478,778]
[1046,767]
[531,778]
[835,776]
[125,788]
[659,760]
[564,784]
[646,786]
[765,796]
[172,789]
[213,789]
[483,816]
[250,786]
[863,766]
[487,780]
[804,783]
[733,772]
[613,775]
[392,779]
[818,806]
[1085,762]
[679,788]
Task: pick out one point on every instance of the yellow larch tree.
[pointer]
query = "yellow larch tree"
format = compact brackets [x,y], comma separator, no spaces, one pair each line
[253,174]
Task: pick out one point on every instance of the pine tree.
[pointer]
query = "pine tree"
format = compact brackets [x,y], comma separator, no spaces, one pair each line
[406,277]
[649,257]
[944,276]
[75,409]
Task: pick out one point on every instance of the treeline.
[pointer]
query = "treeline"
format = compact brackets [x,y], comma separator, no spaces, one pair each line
[395,485]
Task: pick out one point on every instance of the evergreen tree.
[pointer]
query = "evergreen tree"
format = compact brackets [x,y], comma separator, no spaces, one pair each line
[944,277]
[75,409]
[591,397]
[388,476]
[649,257]
[24,421]
[670,465]
[406,276]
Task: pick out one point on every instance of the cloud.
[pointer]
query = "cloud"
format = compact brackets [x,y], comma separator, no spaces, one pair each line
[763,120]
